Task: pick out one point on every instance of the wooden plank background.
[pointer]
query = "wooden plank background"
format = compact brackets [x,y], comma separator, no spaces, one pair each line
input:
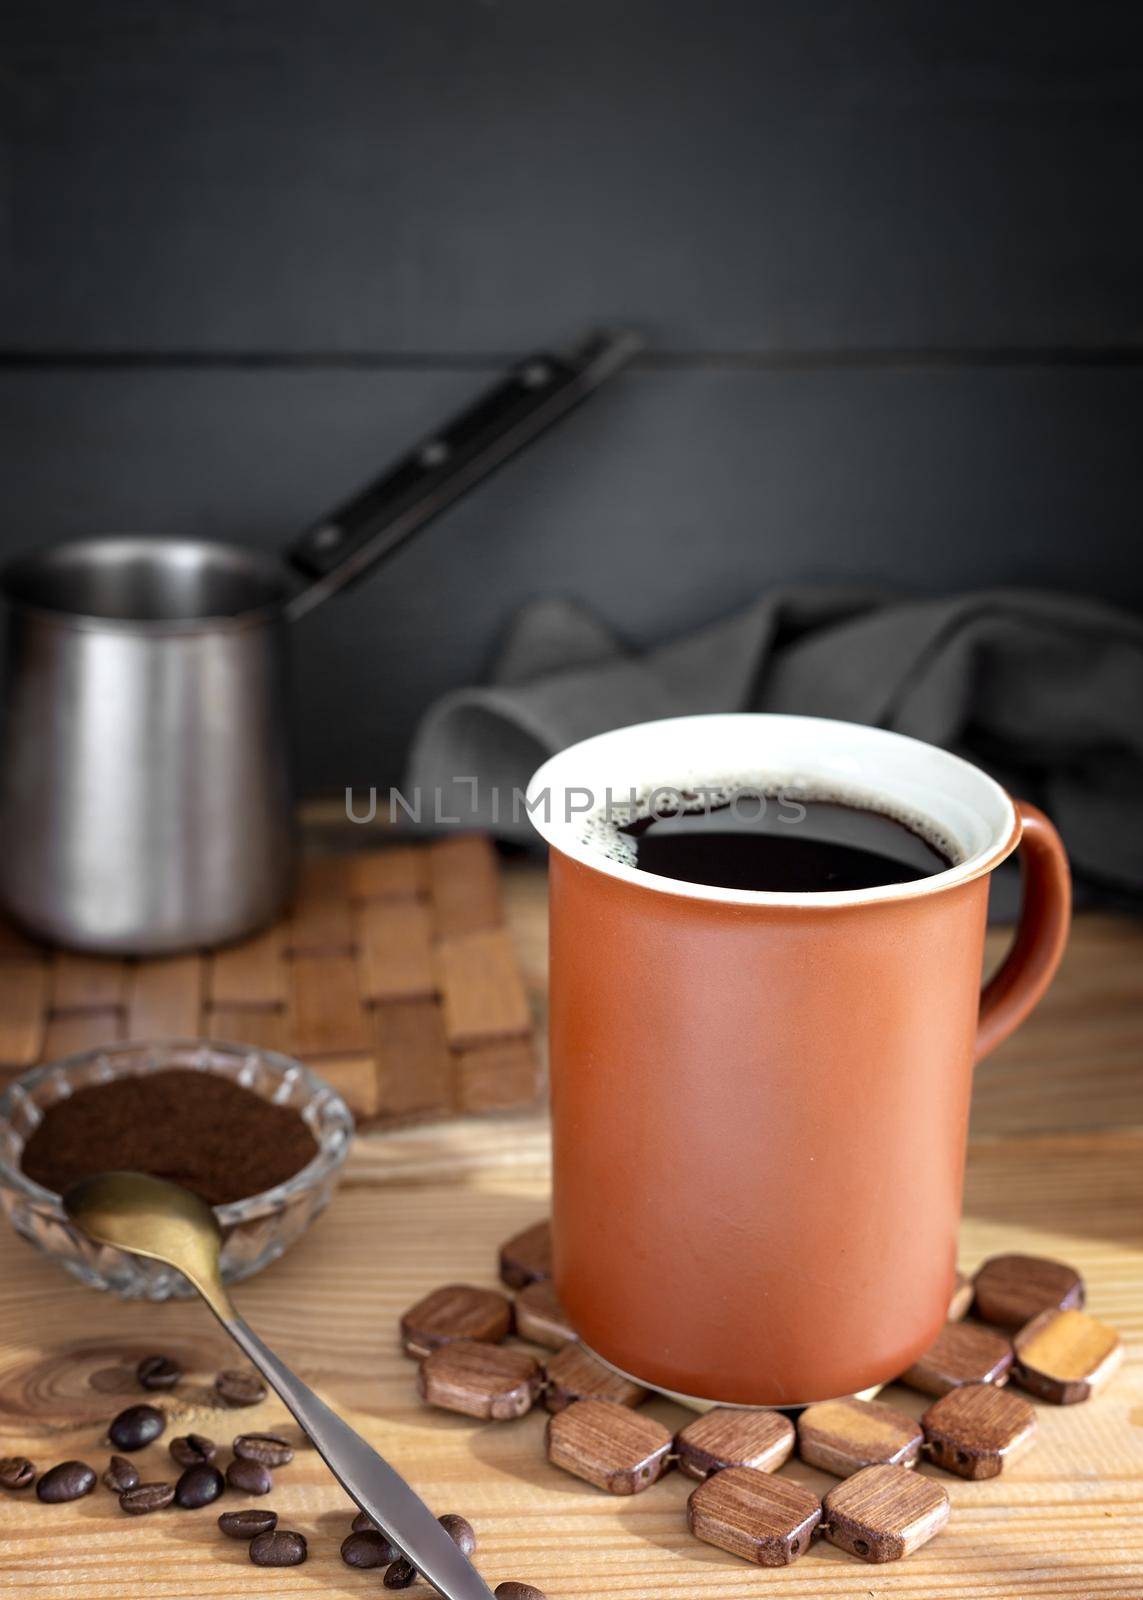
[672,499]
[883,252]
[437,177]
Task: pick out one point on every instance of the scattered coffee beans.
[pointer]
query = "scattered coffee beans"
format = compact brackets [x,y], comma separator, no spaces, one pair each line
[247,1524]
[279,1548]
[368,1549]
[158,1372]
[268,1448]
[192,1449]
[248,1477]
[70,1480]
[136,1427]
[239,1388]
[121,1474]
[146,1497]
[17,1472]
[198,1486]
[201,1482]
[459,1530]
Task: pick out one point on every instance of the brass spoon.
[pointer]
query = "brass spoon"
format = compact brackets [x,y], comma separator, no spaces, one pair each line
[149,1217]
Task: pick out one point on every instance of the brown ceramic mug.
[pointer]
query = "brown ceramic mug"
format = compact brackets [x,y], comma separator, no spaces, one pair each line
[760,1100]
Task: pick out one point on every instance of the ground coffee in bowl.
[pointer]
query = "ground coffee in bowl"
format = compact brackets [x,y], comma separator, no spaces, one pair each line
[198,1129]
[254,1133]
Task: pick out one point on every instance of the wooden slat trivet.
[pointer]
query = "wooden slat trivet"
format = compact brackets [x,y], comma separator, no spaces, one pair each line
[885,1508]
[23,1004]
[416,1070]
[252,973]
[393,976]
[164,998]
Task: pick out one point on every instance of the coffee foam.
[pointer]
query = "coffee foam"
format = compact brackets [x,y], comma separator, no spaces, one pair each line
[601,832]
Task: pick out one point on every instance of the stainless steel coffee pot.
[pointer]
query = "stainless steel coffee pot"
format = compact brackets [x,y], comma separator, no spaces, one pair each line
[146,795]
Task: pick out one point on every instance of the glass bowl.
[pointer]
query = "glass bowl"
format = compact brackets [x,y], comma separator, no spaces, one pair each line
[255,1231]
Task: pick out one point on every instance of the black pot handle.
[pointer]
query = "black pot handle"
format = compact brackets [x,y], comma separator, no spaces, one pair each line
[536,393]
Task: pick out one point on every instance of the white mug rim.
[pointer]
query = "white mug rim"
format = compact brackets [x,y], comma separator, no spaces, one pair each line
[987,807]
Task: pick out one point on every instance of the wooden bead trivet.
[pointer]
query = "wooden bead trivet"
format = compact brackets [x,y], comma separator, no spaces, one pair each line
[763,1519]
[527,1257]
[1010,1290]
[575,1374]
[540,1317]
[880,1511]
[963,1352]
[884,1513]
[724,1438]
[608,1445]
[843,1436]
[1065,1356]
[480,1380]
[455,1312]
[976,1430]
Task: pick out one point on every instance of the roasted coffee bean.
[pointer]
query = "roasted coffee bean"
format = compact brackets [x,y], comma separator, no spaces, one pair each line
[268,1448]
[368,1549]
[192,1449]
[459,1530]
[248,1477]
[247,1524]
[401,1575]
[240,1388]
[364,1523]
[17,1472]
[198,1486]
[279,1548]
[121,1474]
[158,1372]
[136,1427]
[145,1497]
[518,1591]
[70,1480]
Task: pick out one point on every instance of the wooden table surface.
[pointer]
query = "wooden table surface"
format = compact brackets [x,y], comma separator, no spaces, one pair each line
[1056,1167]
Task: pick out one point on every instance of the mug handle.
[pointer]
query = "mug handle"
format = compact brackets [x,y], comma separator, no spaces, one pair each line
[1045,914]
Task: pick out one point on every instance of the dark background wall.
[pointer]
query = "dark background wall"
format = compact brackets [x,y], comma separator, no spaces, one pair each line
[888,257]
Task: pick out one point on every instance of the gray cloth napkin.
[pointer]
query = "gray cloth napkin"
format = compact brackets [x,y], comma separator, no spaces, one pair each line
[1044,691]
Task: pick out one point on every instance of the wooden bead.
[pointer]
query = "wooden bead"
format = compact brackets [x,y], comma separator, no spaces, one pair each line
[763,1518]
[488,1381]
[961,1297]
[1065,1356]
[726,1438]
[457,1311]
[1011,1290]
[527,1257]
[610,1446]
[976,1430]
[575,1374]
[541,1318]
[963,1352]
[843,1436]
[884,1513]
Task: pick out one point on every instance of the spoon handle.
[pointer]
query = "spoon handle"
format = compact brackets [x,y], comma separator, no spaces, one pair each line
[368,1479]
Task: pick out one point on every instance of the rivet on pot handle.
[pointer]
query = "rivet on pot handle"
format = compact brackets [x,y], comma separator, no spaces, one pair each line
[1045,915]
[535,394]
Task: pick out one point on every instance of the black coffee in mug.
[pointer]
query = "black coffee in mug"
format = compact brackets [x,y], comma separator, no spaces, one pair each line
[784,845]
